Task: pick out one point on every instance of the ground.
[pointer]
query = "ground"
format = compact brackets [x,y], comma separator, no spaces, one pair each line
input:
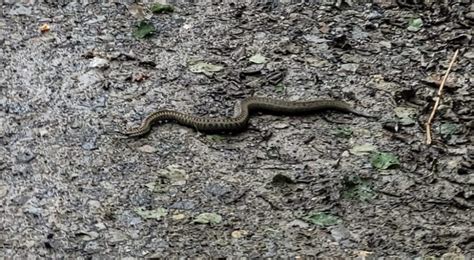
[331,184]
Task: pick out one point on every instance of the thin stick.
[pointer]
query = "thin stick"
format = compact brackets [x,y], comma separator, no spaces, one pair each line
[438,99]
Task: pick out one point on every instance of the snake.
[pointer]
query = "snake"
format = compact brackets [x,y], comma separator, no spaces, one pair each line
[239,122]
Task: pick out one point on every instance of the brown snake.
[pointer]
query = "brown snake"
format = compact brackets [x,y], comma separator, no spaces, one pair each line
[239,122]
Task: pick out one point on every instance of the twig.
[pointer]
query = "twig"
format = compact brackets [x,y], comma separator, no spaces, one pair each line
[438,99]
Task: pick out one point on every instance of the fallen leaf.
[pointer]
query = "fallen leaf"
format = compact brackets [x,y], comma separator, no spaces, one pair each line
[384,161]
[175,174]
[414,25]
[358,189]
[208,218]
[280,88]
[406,115]
[447,130]
[363,149]
[161,8]
[151,214]
[44,28]
[343,132]
[258,59]
[205,68]
[139,12]
[322,219]
[144,30]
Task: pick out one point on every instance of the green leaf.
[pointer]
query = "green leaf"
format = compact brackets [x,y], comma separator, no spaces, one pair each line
[322,219]
[414,25]
[447,130]
[343,132]
[161,8]
[206,68]
[280,88]
[383,161]
[151,214]
[144,30]
[208,218]
[358,189]
[258,58]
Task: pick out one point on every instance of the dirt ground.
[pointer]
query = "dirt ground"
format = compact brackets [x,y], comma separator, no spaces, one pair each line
[73,74]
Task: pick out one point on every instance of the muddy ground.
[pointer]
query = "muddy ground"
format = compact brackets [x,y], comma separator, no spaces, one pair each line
[71,186]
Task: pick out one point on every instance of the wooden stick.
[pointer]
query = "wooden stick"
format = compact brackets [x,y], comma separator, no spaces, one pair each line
[438,99]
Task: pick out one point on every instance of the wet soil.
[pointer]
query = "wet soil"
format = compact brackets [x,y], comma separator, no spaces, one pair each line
[71,186]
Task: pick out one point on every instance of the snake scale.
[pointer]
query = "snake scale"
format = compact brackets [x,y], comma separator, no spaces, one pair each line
[239,122]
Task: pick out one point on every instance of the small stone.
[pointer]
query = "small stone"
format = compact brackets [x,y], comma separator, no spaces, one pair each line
[147,149]
[25,157]
[183,205]
[89,145]
[116,236]
[351,67]
[280,125]
[87,236]
[239,233]
[99,63]
[385,44]
[470,15]
[3,190]
[178,217]
[340,233]
[94,204]
[100,226]
[374,15]
[90,78]
[469,54]
[298,223]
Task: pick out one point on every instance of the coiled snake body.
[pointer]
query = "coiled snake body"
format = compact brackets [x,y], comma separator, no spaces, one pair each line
[239,122]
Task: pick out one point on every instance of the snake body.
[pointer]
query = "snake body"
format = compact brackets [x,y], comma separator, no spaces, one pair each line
[239,122]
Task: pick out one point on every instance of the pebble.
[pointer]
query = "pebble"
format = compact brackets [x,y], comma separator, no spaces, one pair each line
[3,189]
[470,15]
[147,149]
[25,157]
[98,62]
